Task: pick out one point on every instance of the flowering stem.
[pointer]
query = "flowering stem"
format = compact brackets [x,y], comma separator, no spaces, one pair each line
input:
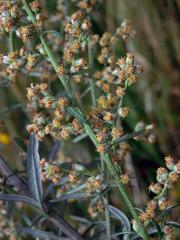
[89,131]
[55,66]
[114,174]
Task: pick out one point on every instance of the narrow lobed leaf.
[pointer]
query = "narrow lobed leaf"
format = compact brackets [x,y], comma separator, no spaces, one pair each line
[18,198]
[33,169]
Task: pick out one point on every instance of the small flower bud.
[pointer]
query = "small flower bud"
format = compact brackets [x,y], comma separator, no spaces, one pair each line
[123,112]
[169,163]
[162,175]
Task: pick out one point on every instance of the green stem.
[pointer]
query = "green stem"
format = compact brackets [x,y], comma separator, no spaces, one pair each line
[11,45]
[55,66]
[108,222]
[28,11]
[91,81]
[114,174]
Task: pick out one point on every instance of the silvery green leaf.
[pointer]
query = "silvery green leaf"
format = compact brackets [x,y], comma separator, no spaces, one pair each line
[76,114]
[151,232]
[80,137]
[18,198]
[33,169]
[65,227]
[129,136]
[126,227]
[51,186]
[77,189]
[38,233]
[70,196]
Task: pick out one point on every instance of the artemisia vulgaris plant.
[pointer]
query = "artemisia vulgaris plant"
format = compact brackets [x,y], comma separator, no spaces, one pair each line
[92,79]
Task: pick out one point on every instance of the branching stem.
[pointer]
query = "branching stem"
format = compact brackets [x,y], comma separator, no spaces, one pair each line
[89,131]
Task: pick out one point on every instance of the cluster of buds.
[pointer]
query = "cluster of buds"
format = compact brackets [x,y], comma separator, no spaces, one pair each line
[95,185]
[77,29]
[148,135]
[169,233]
[15,61]
[86,5]
[9,13]
[96,208]
[6,225]
[113,81]
[58,124]
[124,178]
[125,30]
[165,179]
[73,176]
[50,171]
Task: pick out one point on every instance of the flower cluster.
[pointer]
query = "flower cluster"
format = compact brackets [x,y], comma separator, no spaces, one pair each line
[166,178]
[9,14]
[50,171]
[56,121]
[96,208]
[95,185]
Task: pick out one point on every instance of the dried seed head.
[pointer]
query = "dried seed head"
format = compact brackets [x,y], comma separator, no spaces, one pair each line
[124,179]
[101,148]
[123,112]
[169,162]
[162,175]
[173,177]
[63,102]
[120,92]
[60,70]
[108,117]
[155,188]
[73,178]
[35,6]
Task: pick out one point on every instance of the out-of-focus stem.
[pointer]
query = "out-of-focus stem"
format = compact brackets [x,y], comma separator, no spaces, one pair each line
[108,222]
[11,45]
[91,81]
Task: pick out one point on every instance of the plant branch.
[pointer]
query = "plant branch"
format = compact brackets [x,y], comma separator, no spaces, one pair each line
[89,131]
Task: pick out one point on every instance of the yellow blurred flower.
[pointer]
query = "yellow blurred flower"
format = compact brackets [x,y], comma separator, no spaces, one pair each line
[4,138]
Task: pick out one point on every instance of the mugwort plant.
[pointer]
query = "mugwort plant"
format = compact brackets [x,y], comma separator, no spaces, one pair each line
[77,84]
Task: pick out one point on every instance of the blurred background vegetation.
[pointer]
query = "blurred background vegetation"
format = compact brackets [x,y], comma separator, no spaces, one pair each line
[156,97]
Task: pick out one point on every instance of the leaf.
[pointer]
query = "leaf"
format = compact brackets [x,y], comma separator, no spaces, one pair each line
[18,198]
[33,169]
[51,186]
[151,233]
[122,218]
[80,137]
[38,233]
[65,227]
[77,189]
[12,179]
[129,136]
[54,32]
[172,223]
[76,114]
[70,196]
